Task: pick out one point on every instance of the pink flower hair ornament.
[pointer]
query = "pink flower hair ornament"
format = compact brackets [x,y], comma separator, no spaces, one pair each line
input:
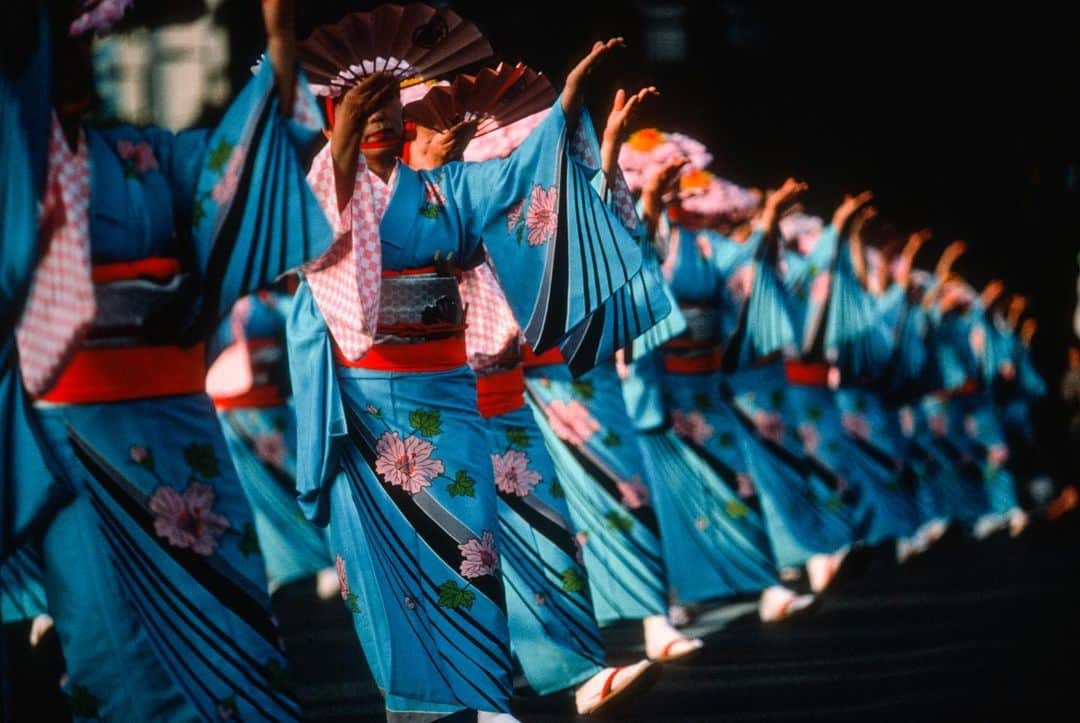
[98,16]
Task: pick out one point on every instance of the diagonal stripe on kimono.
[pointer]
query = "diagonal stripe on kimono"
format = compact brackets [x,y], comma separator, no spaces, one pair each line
[394,454]
[599,463]
[153,572]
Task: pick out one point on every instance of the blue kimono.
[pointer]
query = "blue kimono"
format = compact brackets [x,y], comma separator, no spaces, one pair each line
[261,435]
[153,572]
[397,461]
[703,492]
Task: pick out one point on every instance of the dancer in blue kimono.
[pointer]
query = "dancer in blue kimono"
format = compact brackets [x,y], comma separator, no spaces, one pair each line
[858,347]
[393,454]
[554,636]
[703,492]
[249,383]
[152,569]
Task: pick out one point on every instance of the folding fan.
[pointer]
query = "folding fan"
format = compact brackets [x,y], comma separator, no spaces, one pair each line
[714,198]
[494,97]
[414,42]
[648,149]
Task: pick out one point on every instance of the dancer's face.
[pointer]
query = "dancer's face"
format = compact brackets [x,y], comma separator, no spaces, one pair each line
[384,132]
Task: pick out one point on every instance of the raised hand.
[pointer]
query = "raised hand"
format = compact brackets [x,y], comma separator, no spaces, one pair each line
[776,202]
[433,149]
[281,47]
[907,256]
[618,126]
[847,207]
[949,256]
[658,185]
[574,88]
[1027,331]
[991,293]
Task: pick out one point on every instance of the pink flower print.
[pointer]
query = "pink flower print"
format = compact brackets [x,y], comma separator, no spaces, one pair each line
[513,216]
[433,195]
[634,494]
[977,338]
[100,17]
[225,188]
[542,218]
[998,455]
[704,245]
[819,288]
[971,426]
[406,463]
[907,421]
[1007,371]
[138,454]
[512,473]
[479,556]
[139,155]
[808,433]
[744,485]
[691,426]
[770,426]
[579,547]
[741,283]
[856,425]
[539,598]
[939,424]
[343,579]
[187,520]
[571,421]
[702,523]
[270,448]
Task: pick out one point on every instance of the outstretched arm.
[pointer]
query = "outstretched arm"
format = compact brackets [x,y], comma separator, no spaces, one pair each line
[574,89]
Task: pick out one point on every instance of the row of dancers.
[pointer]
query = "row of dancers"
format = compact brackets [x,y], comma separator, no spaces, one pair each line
[493,378]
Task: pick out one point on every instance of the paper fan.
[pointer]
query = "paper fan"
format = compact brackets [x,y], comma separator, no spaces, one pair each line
[494,97]
[802,231]
[414,42]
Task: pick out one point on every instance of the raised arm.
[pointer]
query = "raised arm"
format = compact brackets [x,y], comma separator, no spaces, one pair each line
[281,48]
[907,256]
[617,127]
[574,89]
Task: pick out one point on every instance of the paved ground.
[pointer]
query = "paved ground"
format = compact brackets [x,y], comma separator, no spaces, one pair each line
[975,631]
[972,632]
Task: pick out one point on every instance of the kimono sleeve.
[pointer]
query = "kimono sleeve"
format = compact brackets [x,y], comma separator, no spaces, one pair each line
[557,249]
[243,187]
[320,414]
[855,338]
[765,325]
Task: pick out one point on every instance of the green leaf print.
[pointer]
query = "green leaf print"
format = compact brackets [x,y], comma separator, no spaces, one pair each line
[249,541]
[736,510]
[583,388]
[557,490]
[834,503]
[611,440]
[83,703]
[776,398]
[198,211]
[201,459]
[814,414]
[219,156]
[517,437]
[573,581]
[352,603]
[702,402]
[453,596]
[462,486]
[429,210]
[618,521]
[426,422]
[725,439]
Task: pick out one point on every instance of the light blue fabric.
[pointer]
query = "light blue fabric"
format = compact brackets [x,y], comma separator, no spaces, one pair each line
[604,478]
[553,632]
[153,572]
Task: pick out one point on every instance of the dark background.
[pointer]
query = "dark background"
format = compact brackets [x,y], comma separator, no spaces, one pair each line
[958,118]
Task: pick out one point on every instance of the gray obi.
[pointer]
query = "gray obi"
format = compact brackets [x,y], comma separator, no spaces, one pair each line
[419,307]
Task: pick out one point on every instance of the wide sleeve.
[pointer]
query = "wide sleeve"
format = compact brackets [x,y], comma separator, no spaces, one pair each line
[764,327]
[320,415]
[243,192]
[24,131]
[558,250]
[855,338]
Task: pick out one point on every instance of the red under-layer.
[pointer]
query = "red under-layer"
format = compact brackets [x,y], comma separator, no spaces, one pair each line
[502,393]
